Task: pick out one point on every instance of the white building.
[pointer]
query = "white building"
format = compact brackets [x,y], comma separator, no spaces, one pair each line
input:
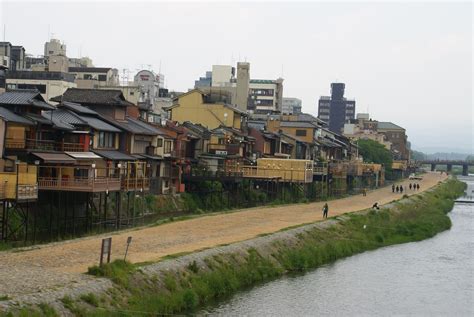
[94,77]
[266,95]
[49,84]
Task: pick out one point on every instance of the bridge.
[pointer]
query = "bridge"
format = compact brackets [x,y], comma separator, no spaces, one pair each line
[449,164]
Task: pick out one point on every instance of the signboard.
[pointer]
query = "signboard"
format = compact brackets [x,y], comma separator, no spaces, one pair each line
[129,240]
[218,152]
[105,250]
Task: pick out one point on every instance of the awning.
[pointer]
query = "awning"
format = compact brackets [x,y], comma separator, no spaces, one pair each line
[114,155]
[55,158]
[84,155]
[152,157]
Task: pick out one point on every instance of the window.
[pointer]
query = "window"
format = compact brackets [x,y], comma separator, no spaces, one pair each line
[87,76]
[221,141]
[41,88]
[106,139]
[132,93]
[167,147]
[300,132]
[159,143]
[102,77]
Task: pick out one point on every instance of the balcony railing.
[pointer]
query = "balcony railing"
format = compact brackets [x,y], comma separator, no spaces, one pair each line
[14,143]
[48,145]
[229,149]
[80,184]
[136,184]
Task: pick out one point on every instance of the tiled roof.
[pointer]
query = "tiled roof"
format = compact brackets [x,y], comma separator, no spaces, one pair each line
[388,126]
[54,121]
[134,126]
[9,116]
[114,155]
[297,124]
[198,129]
[146,128]
[24,97]
[106,97]
[65,116]
[77,108]
[98,124]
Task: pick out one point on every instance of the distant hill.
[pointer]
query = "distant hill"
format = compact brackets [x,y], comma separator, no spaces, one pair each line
[447,156]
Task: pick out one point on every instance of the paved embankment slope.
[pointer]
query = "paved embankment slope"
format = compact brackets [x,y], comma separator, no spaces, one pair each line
[57,266]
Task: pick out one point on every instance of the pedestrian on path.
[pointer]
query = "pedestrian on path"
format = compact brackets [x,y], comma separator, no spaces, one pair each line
[393,188]
[401,189]
[397,189]
[410,186]
[325,210]
[364,192]
[417,186]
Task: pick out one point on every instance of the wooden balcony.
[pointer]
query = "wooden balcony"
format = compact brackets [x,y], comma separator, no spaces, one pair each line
[80,184]
[48,145]
[224,149]
[284,175]
[14,143]
[136,184]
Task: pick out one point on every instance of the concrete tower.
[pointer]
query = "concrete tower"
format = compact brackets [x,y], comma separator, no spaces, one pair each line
[243,80]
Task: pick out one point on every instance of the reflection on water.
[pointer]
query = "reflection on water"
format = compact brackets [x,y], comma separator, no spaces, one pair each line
[434,276]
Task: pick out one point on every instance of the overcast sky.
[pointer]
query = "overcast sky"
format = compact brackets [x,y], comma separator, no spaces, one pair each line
[406,63]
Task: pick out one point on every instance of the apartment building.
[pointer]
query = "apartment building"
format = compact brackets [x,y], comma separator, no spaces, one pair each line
[335,110]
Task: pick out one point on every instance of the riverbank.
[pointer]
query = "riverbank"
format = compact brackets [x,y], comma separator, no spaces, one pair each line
[189,281]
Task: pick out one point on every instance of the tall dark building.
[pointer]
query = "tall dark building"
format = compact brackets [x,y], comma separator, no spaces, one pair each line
[336,109]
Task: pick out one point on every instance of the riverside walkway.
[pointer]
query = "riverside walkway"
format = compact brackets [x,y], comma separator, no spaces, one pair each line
[28,271]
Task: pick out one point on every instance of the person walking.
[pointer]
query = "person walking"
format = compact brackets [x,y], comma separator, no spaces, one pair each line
[325,211]
[401,189]
[364,192]
[397,189]
[417,186]
[393,188]
[410,186]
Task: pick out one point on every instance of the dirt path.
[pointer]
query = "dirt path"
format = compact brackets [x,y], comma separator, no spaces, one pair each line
[54,265]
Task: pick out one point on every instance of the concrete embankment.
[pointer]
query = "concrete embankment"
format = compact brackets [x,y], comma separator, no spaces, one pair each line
[185,282]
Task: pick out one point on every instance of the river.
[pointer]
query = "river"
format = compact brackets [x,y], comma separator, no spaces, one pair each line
[430,277]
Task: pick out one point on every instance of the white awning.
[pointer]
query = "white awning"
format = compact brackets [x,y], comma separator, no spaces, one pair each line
[84,155]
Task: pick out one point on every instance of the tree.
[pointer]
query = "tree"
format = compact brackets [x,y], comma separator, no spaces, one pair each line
[374,152]
[418,156]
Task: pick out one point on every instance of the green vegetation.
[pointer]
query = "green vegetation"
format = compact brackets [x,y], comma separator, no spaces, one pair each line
[118,271]
[91,299]
[417,155]
[374,152]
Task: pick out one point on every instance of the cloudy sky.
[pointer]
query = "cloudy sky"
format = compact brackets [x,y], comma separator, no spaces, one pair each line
[406,63]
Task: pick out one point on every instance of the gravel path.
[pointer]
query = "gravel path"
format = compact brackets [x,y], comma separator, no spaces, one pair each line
[57,266]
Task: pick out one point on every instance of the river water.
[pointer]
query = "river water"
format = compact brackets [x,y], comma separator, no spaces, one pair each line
[430,277]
